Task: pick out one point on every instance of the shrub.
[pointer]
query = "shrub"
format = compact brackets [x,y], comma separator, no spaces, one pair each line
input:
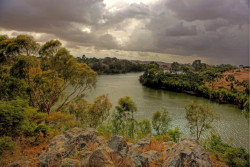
[234,157]
[175,134]
[6,144]
[14,117]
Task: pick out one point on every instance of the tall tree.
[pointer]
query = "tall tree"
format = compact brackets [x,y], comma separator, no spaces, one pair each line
[200,118]
[47,85]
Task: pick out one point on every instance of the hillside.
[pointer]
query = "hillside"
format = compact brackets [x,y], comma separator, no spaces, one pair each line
[240,75]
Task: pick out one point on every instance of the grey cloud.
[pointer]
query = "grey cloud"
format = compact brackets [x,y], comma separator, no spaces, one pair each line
[190,10]
[207,28]
[211,28]
[181,30]
[63,18]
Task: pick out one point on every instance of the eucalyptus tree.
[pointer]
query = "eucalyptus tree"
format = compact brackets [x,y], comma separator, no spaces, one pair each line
[50,75]
[200,118]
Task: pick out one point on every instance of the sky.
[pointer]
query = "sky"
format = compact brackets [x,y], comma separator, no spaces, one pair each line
[214,31]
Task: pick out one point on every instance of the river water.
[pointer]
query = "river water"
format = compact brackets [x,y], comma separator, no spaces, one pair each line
[232,126]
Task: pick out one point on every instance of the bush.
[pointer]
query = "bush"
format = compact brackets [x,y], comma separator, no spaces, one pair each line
[13,117]
[6,144]
[175,134]
[42,129]
[234,157]
[160,121]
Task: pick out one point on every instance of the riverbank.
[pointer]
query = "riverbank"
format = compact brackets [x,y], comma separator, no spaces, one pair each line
[232,126]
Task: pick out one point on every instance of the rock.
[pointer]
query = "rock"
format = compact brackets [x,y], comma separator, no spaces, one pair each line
[119,145]
[137,160]
[66,144]
[19,163]
[187,153]
[67,162]
[100,158]
[151,155]
[140,144]
[143,142]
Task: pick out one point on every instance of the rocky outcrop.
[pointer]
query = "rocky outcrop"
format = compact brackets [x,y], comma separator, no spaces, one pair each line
[187,153]
[82,148]
[66,144]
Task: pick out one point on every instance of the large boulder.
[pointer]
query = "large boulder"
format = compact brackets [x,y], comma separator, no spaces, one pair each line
[187,153]
[140,145]
[119,145]
[100,158]
[151,155]
[136,159]
[65,145]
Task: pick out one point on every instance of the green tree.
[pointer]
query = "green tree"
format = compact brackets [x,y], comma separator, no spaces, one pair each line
[175,66]
[26,45]
[144,128]
[230,78]
[48,85]
[210,77]
[197,65]
[125,110]
[160,121]
[200,118]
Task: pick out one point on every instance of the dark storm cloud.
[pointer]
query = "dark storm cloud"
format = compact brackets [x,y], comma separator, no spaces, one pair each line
[181,30]
[206,28]
[190,10]
[62,18]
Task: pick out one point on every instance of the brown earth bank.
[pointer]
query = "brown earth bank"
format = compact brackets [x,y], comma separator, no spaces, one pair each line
[239,74]
[84,148]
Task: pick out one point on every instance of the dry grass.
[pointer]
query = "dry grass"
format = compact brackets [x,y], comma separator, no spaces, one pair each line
[216,162]
[154,145]
[239,74]
[25,152]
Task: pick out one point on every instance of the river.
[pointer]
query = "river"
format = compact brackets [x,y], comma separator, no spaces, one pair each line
[232,126]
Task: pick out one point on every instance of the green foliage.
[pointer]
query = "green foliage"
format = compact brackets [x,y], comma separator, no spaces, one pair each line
[13,117]
[194,82]
[11,87]
[199,117]
[175,134]
[42,129]
[45,78]
[125,115]
[160,121]
[91,115]
[143,128]
[230,78]
[59,121]
[234,157]
[105,130]
[49,49]
[6,144]
[175,66]
[111,65]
